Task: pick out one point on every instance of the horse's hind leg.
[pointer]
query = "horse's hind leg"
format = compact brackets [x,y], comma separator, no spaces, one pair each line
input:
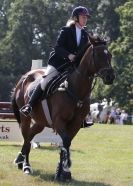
[28,134]
[22,159]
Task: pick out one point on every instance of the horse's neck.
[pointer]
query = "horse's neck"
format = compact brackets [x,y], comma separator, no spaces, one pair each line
[86,65]
[81,82]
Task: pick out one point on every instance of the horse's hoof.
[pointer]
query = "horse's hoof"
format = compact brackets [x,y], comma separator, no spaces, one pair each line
[20,159]
[64,177]
[27,169]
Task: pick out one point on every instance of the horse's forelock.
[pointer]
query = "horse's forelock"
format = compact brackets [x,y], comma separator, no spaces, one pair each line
[96,40]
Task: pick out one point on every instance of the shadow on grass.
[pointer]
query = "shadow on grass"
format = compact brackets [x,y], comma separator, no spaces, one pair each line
[11,145]
[50,177]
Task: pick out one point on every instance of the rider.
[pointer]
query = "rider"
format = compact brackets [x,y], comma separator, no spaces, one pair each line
[71,39]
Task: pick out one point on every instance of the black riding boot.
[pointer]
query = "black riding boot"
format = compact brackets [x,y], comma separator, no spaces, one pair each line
[36,95]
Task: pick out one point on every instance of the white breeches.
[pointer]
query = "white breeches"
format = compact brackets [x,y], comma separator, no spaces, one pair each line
[50,73]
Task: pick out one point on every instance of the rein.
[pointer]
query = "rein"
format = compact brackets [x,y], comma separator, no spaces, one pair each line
[91,77]
[99,73]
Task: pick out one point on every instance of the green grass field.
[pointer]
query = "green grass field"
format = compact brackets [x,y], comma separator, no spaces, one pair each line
[101,156]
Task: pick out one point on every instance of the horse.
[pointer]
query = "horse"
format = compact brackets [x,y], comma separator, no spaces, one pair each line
[99,112]
[104,115]
[95,109]
[67,107]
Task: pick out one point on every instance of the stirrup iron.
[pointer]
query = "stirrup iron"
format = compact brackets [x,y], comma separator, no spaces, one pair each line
[26,110]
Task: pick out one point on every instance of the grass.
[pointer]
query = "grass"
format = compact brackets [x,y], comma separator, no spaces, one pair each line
[101,155]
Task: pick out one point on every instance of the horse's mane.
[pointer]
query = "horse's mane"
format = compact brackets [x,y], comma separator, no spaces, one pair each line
[81,53]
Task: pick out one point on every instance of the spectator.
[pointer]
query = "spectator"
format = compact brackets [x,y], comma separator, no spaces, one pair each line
[123,117]
[132,119]
[117,117]
[112,116]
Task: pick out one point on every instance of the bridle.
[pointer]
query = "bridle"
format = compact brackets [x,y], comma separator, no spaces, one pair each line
[92,77]
[99,72]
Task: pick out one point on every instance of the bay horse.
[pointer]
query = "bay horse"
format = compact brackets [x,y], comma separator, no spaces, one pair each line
[67,108]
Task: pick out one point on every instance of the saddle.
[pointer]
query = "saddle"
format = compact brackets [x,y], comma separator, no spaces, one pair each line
[56,83]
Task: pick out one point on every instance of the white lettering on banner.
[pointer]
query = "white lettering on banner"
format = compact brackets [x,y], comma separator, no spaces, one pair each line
[10,131]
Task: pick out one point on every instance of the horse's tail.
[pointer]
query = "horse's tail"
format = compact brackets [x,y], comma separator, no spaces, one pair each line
[15,107]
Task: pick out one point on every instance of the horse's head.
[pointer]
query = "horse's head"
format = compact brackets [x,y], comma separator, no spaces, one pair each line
[101,60]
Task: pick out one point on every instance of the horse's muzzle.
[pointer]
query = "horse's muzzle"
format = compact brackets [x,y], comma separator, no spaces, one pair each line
[108,76]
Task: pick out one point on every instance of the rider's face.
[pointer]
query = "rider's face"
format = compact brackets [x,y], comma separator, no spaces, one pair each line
[82,20]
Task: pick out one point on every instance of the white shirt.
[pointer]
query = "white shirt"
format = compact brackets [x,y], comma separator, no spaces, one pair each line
[78,35]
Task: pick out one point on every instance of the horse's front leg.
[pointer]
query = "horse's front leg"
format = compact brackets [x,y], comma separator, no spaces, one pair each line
[63,169]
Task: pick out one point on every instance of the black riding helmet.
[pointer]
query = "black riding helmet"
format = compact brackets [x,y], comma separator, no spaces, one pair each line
[80,10]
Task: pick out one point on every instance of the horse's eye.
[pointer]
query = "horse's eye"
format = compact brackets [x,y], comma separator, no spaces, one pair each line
[106,51]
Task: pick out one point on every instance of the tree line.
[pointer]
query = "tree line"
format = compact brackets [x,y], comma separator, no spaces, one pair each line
[29,28]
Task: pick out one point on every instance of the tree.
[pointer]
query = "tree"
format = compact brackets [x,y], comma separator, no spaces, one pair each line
[108,18]
[122,50]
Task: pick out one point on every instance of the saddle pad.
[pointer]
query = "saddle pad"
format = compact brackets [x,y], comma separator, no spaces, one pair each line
[46,112]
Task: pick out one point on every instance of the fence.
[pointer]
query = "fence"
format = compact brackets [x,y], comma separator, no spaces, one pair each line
[6,111]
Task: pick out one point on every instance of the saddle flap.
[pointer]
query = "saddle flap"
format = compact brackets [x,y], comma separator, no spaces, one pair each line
[53,84]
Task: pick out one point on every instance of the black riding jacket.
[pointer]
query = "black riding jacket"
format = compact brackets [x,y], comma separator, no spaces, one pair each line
[66,44]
